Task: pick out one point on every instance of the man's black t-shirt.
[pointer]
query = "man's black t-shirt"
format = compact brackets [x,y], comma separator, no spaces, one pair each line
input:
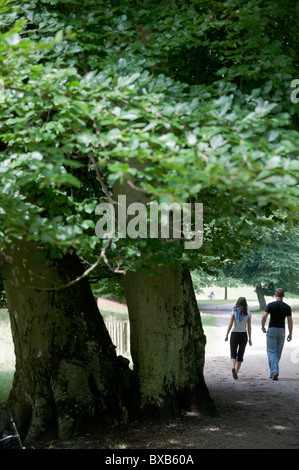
[278,312]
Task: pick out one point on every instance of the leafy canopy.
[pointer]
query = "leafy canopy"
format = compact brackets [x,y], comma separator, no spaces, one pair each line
[189,101]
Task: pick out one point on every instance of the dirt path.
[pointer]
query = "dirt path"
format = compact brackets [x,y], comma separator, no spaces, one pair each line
[256,412]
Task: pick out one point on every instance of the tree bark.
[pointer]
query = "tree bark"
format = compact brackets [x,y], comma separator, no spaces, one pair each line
[261,297]
[167,338]
[167,344]
[67,372]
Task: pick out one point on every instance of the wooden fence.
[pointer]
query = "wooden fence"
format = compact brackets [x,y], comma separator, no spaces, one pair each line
[119,331]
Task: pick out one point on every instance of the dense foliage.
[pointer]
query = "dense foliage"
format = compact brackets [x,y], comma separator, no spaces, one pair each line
[189,101]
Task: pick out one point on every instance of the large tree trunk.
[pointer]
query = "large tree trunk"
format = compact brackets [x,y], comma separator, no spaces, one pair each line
[167,344]
[261,297]
[67,372]
[167,338]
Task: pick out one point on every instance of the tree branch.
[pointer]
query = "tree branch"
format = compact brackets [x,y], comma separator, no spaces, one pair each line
[101,181]
[83,275]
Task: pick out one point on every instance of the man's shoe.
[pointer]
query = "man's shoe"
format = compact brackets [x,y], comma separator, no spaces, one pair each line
[275,376]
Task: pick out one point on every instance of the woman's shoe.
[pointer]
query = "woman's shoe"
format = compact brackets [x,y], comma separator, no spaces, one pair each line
[235,375]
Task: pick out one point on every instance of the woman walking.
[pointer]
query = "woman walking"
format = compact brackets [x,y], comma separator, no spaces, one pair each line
[240,321]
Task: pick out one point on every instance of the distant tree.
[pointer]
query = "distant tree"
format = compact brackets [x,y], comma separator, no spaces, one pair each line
[275,263]
[201,279]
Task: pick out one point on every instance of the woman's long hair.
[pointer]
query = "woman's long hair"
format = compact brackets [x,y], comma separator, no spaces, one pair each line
[241,304]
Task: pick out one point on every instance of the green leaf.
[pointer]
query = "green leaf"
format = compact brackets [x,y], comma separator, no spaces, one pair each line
[66,179]
[217,141]
[58,37]
[127,80]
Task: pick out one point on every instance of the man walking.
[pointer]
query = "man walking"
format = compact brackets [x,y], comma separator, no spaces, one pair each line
[279,311]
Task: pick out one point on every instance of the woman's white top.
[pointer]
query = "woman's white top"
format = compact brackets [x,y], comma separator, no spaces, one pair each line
[240,326]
